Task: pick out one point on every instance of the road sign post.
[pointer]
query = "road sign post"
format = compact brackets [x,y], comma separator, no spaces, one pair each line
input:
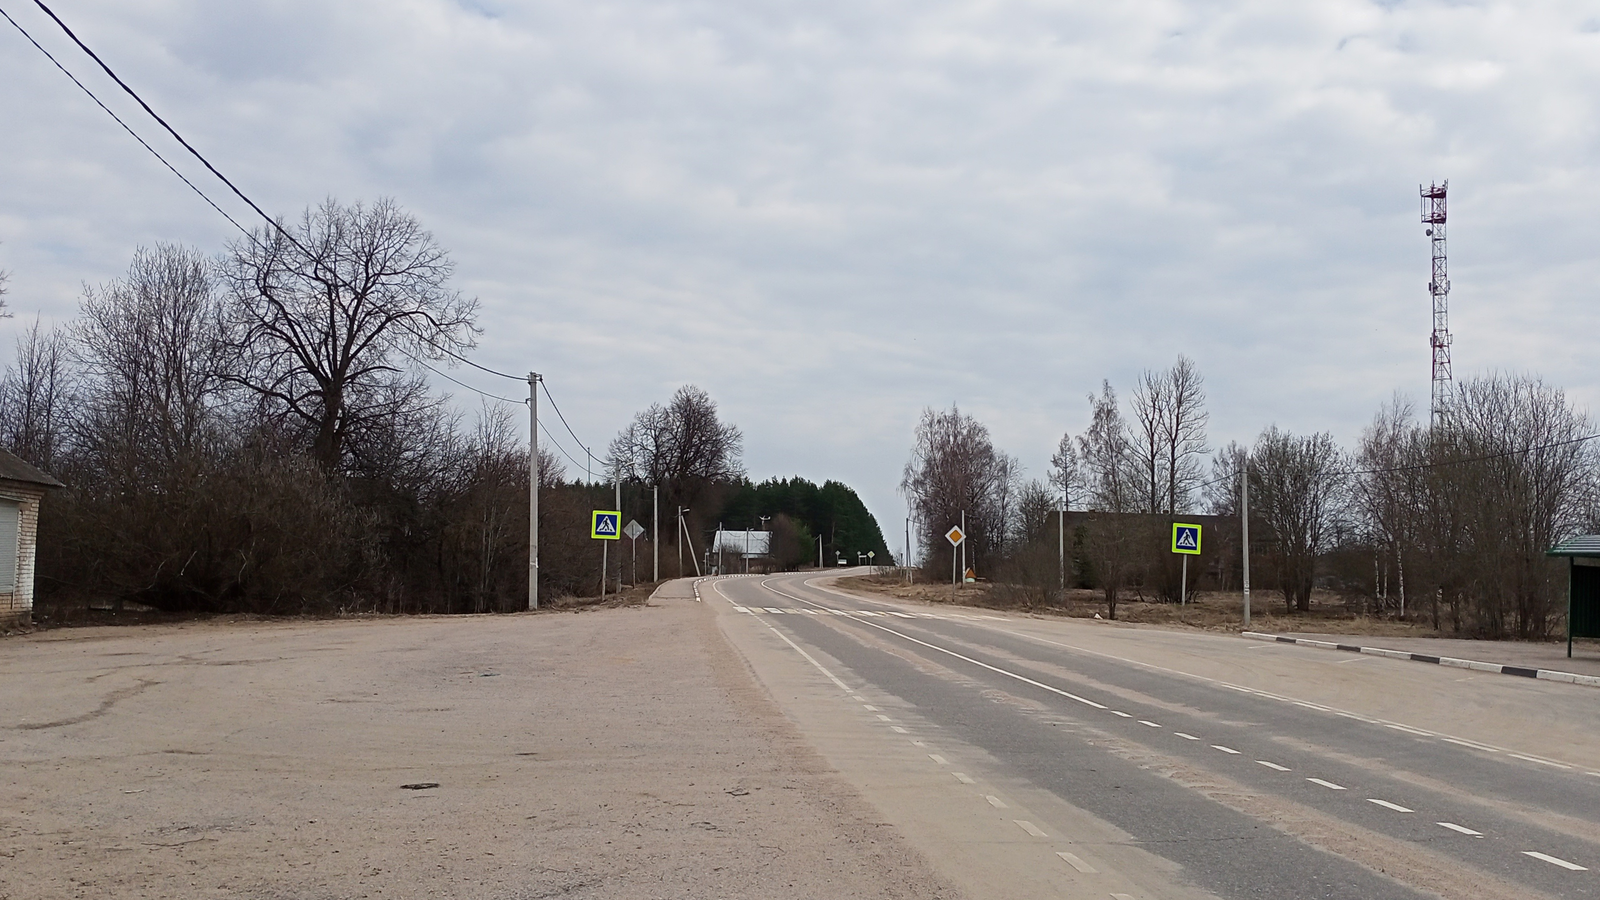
[956,537]
[633,529]
[1185,541]
[605,525]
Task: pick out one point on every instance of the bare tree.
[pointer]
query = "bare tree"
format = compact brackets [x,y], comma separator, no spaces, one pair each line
[1169,436]
[1296,488]
[34,397]
[682,446]
[1110,475]
[954,470]
[151,354]
[326,330]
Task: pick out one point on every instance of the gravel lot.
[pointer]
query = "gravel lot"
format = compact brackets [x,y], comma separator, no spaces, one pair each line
[615,753]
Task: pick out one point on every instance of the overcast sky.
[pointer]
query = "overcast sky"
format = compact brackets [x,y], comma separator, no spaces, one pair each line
[831,215]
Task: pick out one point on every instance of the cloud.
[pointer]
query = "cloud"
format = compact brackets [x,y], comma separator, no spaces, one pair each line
[831,215]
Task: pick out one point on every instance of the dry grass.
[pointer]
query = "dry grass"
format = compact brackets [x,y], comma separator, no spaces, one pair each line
[1209,611]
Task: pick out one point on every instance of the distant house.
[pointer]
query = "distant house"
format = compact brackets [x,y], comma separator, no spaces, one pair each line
[751,546]
[22,486]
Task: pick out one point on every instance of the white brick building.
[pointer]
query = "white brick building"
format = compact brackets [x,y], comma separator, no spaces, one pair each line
[21,488]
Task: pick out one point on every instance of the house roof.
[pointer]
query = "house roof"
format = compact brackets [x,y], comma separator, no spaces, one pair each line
[1582,545]
[15,468]
[734,542]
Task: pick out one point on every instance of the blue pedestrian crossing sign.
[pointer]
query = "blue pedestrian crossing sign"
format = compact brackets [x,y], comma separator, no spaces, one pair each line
[606,525]
[1186,539]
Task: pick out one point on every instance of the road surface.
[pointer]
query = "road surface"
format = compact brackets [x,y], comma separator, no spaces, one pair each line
[1036,757]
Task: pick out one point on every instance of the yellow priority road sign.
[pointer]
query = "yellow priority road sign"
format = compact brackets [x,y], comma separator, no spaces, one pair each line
[1186,539]
[606,525]
[954,536]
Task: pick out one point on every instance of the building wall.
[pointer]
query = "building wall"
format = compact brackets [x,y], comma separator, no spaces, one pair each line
[17,606]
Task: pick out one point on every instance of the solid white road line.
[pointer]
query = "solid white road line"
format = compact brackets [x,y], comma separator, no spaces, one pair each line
[1555,861]
[1272,765]
[963,778]
[1387,805]
[1225,749]
[995,802]
[1327,784]
[1462,829]
[1030,828]
[1076,863]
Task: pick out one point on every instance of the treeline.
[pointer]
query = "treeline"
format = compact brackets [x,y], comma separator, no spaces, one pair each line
[1447,519]
[254,432]
[810,524]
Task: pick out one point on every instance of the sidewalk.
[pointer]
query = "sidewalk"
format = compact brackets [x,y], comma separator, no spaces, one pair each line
[1528,655]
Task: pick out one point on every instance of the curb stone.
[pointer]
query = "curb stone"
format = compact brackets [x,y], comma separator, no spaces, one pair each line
[1496,668]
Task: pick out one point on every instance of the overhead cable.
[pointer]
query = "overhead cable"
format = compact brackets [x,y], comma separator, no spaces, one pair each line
[125,126]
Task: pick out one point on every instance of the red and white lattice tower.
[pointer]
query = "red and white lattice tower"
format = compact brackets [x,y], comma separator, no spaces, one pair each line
[1433,216]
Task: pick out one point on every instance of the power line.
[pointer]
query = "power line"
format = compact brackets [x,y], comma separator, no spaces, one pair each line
[125,126]
[273,223]
[467,386]
[562,417]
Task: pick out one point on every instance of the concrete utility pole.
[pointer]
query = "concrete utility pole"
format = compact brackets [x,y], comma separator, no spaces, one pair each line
[1061,536]
[655,531]
[533,490]
[1244,530]
[963,547]
[616,477]
[680,542]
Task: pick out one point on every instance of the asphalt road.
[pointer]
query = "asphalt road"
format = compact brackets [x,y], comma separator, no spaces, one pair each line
[1027,755]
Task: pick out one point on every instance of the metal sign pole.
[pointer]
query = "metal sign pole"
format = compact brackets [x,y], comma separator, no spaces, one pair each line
[1183,586]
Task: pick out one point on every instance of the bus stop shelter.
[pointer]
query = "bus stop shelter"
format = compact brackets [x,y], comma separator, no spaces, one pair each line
[1583,585]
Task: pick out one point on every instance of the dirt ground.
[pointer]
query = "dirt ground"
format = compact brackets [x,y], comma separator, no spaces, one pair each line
[1209,611]
[615,753]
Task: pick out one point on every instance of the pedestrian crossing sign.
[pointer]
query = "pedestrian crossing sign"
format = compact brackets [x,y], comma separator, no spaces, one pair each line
[606,525]
[1186,539]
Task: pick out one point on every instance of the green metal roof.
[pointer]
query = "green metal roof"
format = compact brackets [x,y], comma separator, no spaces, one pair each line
[1582,545]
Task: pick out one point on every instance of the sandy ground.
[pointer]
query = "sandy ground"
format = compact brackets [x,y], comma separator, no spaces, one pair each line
[623,753]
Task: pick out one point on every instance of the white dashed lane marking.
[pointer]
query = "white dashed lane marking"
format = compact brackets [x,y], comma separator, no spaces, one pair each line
[1327,784]
[1147,722]
[939,759]
[1387,805]
[963,778]
[1076,863]
[995,802]
[1461,829]
[1272,765]
[884,718]
[1555,861]
[870,707]
[1030,828]
[1225,749]
[1120,713]
[1187,737]
[1542,762]
[898,730]
[1484,748]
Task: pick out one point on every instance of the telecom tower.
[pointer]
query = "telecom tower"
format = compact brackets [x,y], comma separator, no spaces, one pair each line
[1433,216]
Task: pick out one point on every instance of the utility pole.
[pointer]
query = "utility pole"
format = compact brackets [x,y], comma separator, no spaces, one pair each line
[533,490]
[616,478]
[655,532]
[1244,529]
[1061,538]
[679,542]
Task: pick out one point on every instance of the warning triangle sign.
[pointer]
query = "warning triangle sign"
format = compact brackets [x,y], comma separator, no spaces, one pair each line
[605,525]
[1186,539]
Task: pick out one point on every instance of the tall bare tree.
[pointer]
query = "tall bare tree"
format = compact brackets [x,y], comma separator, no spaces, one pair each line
[34,397]
[327,330]
[1297,490]
[683,446]
[1111,476]
[955,469]
[1168,436]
